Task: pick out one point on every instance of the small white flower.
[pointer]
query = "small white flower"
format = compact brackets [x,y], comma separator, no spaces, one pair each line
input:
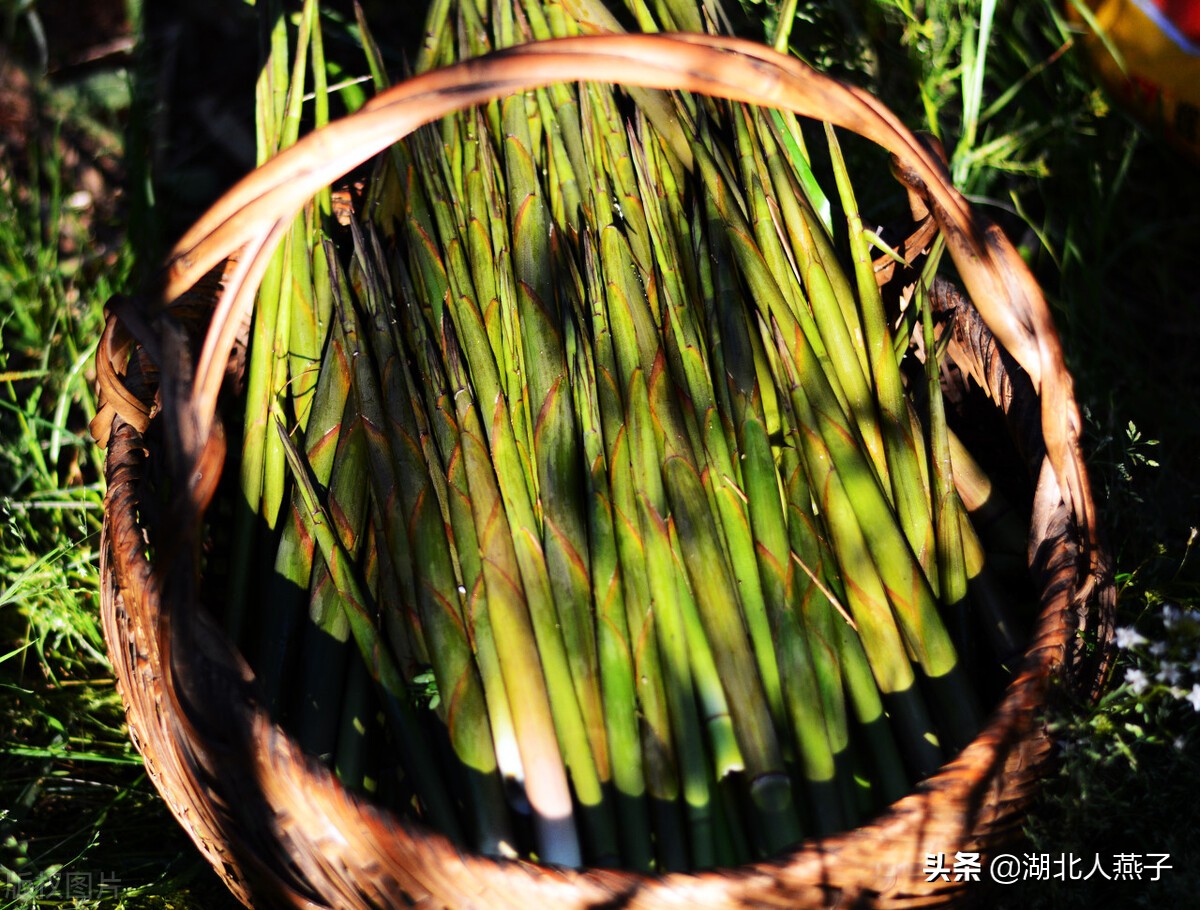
[1170,615]
[78,201]
[1159,648]
[1137,681]
[1194,697]
[1129,637]
[1169,673]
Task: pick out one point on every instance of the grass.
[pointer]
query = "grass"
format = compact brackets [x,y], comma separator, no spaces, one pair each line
[78,817]
[1106,213]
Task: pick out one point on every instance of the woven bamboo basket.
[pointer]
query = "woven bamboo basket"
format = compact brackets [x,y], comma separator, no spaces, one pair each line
[277,826]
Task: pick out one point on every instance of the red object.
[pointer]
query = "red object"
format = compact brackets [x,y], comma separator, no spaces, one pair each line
[1184,15]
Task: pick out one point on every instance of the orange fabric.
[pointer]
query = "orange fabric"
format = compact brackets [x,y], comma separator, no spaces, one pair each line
[1157,76]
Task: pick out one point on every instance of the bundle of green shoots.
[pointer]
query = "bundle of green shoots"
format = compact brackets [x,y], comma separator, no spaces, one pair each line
[603,528]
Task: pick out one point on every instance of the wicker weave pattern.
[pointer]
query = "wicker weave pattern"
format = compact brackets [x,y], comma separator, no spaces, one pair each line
[281,831]
[276,824]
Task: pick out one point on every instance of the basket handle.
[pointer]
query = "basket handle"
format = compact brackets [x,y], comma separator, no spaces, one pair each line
[252,217]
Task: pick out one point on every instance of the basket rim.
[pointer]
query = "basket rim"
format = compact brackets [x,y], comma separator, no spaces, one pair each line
[197,658]
[249,221]
[173,666]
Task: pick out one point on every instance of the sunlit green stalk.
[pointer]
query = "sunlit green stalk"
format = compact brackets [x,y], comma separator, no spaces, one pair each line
[686,352]
[658,749]
[556,457]
[285,604]
[359,612]
[669,621]
[866,596]
[951,560]
[904,472]
[325,647]
[617,669]
[411,519]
